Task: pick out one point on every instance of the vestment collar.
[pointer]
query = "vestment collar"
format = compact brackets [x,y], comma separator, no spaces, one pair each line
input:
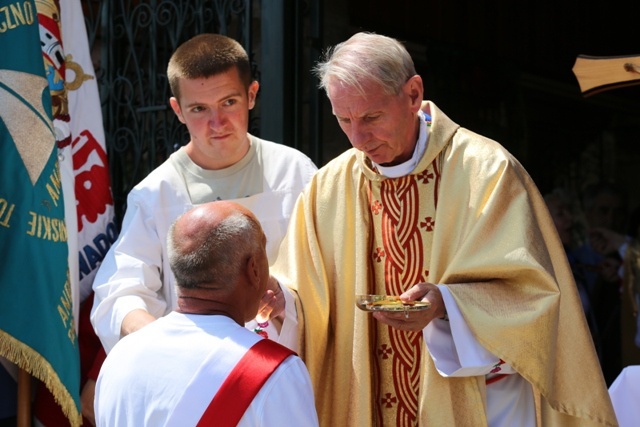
[407,167]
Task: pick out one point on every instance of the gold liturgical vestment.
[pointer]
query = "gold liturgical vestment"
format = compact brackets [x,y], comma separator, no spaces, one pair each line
[468,217]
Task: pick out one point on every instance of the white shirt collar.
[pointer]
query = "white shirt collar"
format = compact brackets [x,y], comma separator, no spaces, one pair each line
[405,168]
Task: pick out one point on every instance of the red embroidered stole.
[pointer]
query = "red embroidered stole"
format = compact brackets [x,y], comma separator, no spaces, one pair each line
[243,383]
[402,211]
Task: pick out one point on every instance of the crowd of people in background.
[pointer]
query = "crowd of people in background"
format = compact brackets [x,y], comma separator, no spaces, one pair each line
[600,235]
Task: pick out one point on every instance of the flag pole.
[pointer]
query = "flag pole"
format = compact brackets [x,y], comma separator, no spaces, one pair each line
[23,415]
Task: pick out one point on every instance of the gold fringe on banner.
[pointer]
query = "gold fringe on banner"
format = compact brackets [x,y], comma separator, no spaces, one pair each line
[31,361]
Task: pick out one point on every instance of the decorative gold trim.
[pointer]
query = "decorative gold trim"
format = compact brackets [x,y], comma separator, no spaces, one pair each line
[31,361]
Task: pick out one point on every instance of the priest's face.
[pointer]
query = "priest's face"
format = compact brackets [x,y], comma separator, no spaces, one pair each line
[384,127]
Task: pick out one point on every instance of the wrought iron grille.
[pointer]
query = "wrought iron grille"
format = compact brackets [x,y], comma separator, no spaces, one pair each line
[131,42]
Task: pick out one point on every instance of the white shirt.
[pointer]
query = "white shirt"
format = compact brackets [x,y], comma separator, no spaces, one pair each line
[144,378]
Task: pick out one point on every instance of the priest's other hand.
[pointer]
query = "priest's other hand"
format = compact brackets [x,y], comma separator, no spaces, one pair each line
[416,321]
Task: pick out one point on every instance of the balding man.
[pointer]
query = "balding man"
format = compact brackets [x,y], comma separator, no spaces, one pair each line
[182,368]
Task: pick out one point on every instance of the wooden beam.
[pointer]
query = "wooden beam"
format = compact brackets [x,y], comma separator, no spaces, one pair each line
[596,74]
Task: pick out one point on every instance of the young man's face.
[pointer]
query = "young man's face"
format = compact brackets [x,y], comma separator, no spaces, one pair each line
[382,126]
[216,113]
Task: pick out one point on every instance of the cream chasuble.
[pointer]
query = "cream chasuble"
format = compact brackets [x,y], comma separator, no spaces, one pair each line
[468,217]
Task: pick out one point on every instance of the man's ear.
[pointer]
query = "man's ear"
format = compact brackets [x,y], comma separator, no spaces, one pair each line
[252,94]
[253,271]
[415,90]
[176,108]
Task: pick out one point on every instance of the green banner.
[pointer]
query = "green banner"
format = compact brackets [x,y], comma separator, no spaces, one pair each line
[37,330]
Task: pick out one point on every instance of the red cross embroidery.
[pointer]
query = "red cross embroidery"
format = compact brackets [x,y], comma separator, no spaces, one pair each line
[428,223]
[385,351]
[379,254]
[376,207]
[425,176]
[388,400]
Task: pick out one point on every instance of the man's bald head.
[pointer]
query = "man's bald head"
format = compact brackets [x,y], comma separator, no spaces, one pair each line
[209,245]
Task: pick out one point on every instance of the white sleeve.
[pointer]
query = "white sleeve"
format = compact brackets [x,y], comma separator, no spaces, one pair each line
[453,348]
[129,277]
[456,353]
[289,331]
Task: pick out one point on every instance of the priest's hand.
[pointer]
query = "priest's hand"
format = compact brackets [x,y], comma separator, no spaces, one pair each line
[272,305]
[416,321]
